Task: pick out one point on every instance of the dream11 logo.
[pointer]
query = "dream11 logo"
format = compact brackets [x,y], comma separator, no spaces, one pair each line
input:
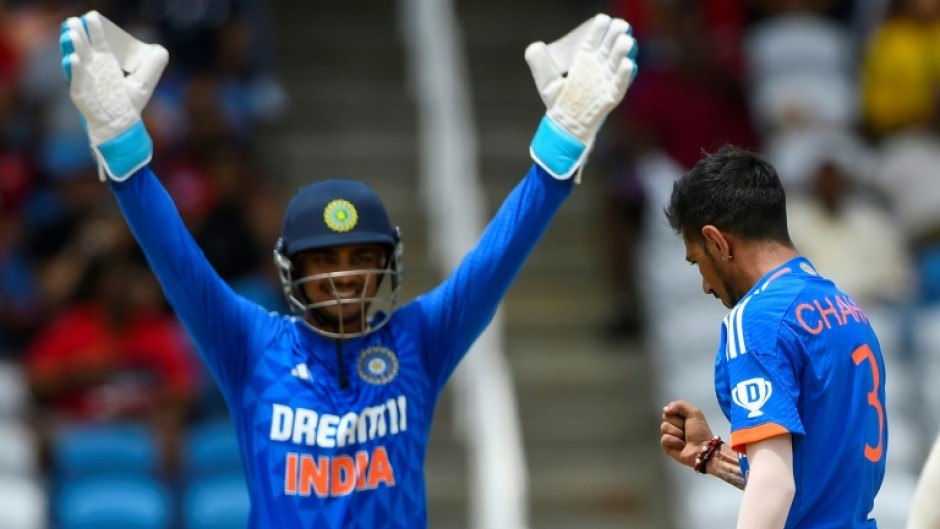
[751,395]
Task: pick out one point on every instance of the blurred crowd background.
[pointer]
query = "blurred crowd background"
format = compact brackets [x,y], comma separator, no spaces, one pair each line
[100,380]
[842,96]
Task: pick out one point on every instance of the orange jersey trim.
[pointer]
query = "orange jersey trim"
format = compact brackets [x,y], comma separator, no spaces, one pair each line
[741,438]
[775,276]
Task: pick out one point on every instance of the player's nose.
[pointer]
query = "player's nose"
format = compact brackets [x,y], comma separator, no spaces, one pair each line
[707,287]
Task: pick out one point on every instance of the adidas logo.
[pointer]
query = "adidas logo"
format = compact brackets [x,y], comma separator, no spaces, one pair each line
[301,371]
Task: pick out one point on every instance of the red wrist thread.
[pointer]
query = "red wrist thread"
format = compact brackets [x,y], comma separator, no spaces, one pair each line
[709,449]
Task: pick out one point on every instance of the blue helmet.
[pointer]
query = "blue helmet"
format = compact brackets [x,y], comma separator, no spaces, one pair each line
[338,212]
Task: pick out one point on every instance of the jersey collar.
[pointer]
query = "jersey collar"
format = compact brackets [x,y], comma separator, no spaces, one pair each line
[800,266]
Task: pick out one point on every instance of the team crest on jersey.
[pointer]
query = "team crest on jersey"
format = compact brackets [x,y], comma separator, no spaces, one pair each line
[752,394]
[378,365]
[340,215]
[808,269]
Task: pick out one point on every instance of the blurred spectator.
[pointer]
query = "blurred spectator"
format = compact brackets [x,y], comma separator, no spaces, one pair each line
[230,75]
[909,175]
[78,307]
[19,298]
[249,95]
[234,234]
[801,68]
[66,227]
[59,137]
[836,224]
[20,302]
[10,70]
[118,355]
[221,195]
[188,29]
[866,18]
[197,30]
[901,74]
[686,100]
[724,25]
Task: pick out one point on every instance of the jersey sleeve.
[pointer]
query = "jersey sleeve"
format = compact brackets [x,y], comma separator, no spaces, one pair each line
[225,326]
[762,366]
[457,311]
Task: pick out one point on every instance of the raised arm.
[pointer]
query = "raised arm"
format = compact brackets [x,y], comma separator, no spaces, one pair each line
[95,56]
[581,79]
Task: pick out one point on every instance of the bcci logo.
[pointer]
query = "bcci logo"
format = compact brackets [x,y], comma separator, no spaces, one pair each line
[340,215]
[751,395]
[377,365]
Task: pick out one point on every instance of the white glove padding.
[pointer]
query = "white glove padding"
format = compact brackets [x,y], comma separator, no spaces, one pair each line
[578,103]
[95,56]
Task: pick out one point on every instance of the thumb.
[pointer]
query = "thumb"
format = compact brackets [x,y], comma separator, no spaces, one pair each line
[144,79]
[548,79]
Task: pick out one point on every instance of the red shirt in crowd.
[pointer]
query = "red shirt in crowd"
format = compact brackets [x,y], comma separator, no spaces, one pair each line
[92,370]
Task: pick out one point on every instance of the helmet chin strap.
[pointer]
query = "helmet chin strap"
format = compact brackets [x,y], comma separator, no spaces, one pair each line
[329,323]
[320,319]
[343,380]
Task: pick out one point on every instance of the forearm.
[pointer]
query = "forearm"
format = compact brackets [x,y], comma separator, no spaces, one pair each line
[498,256]
[770,486]
[766,503]
[190,284]
[458,310]
[515,230]
[724,466]
[925,511]
[222,323]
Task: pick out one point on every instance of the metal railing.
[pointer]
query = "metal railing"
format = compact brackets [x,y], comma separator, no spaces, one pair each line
[487,415]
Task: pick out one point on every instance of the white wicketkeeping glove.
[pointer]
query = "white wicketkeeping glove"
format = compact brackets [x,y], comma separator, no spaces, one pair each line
[111,77]
[581,77]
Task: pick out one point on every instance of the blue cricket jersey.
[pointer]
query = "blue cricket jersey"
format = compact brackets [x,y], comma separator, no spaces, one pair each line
[315,455]
[798,356]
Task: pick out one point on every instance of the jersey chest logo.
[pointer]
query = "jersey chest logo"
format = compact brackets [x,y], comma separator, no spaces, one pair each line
[377,365]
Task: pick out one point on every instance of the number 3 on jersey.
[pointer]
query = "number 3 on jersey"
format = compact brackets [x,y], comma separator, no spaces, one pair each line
[873,453]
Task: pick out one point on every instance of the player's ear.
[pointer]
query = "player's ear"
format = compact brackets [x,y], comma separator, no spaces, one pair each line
[716,241]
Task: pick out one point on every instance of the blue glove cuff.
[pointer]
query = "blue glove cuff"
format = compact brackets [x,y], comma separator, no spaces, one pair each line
[555,150]
[123,155]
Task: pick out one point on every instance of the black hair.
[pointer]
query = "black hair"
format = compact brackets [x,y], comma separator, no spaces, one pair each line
[735,190]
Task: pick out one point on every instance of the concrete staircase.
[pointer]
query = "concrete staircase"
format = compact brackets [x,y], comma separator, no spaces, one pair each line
[591,431]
